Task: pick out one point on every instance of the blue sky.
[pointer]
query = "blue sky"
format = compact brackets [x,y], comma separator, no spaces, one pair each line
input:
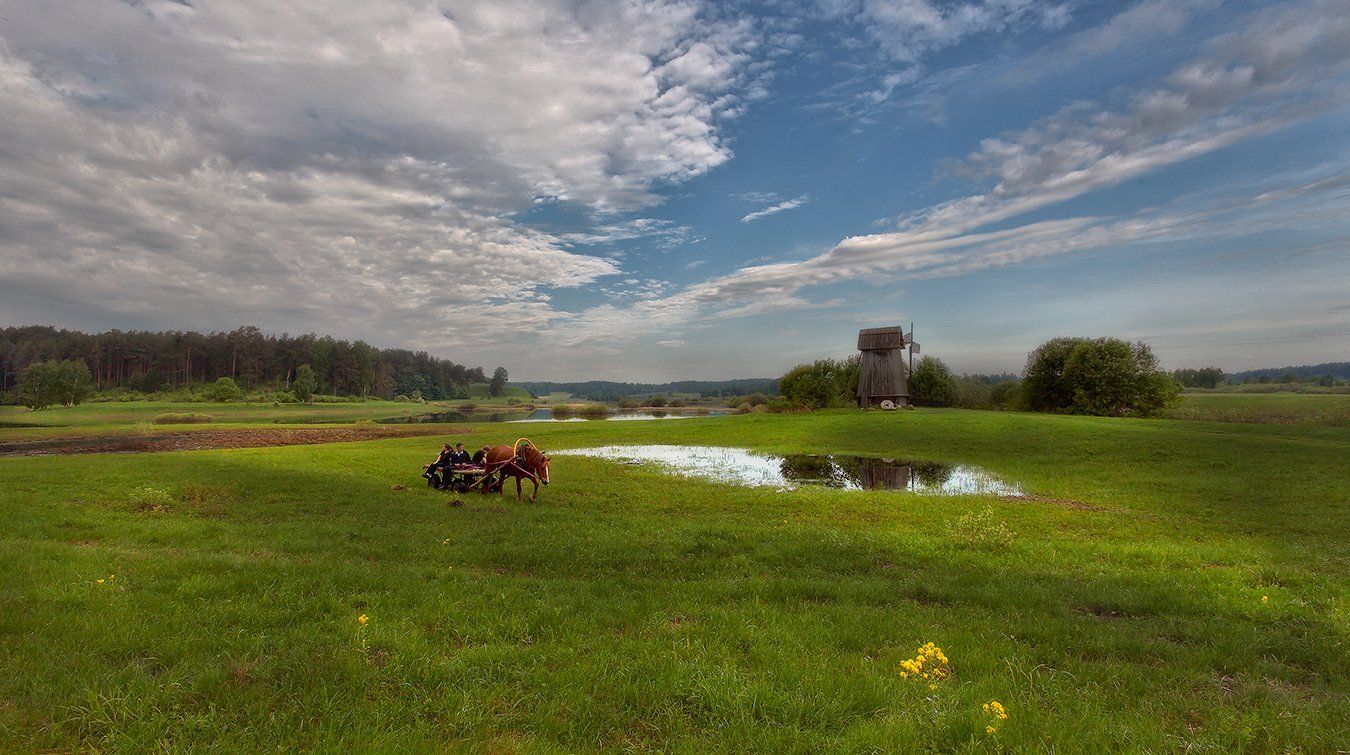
[666,190]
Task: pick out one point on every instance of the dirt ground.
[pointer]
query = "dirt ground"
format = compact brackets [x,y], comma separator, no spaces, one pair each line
[195,440]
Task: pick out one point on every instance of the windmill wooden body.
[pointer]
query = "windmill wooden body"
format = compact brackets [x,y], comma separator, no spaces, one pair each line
[881,375]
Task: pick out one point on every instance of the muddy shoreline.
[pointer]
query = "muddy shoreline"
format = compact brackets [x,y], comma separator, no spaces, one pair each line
[197,440]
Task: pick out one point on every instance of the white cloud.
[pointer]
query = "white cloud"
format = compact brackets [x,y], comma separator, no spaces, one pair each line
[783,206]
[355,169]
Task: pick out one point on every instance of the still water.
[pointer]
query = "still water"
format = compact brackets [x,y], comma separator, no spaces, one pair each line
[745,467]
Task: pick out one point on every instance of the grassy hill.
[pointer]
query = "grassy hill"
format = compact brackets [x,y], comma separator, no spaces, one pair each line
[480,391]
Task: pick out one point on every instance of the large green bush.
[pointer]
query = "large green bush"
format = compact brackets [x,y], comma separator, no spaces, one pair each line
[821,384]
[932,384]
[1103,376]
[223,390]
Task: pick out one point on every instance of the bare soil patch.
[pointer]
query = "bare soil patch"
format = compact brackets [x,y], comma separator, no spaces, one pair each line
[195,440]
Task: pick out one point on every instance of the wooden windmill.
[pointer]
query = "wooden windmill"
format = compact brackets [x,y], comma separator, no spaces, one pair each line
[881,375]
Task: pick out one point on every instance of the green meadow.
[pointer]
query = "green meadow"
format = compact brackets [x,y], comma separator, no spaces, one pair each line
[1164,586]
[1281,408]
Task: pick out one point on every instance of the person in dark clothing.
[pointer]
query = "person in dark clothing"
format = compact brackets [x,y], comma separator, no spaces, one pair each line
[460,456]
[480,455]
[438,471]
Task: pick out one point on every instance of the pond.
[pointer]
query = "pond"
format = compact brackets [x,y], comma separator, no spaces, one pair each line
[745,467]
[545,415]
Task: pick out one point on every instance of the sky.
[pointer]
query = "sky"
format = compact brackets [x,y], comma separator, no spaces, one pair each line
[675,189]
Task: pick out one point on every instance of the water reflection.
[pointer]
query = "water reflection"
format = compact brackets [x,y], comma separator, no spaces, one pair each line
[847,472]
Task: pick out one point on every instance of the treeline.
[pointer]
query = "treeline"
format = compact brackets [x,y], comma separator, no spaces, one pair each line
[152,362]
[603,390]
[1102,376]
[1324,374]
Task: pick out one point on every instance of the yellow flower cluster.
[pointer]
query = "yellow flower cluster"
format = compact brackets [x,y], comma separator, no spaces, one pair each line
[110,578]
[364,619]
[929,662]
[995,708]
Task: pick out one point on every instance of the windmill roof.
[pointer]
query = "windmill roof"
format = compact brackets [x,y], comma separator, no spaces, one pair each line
[870,339]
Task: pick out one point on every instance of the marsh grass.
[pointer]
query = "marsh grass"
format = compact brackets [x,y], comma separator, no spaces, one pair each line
[593,410]
[1199,604]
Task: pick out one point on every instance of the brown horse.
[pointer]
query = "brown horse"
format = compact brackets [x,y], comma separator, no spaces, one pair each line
[529,463]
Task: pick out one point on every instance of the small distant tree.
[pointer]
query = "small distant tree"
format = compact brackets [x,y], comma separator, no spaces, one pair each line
[932,384]
[37,385]
[223,390]
[74,382]
[657,400]
[306,383]
[498,383]
[44,384]
[1205,377]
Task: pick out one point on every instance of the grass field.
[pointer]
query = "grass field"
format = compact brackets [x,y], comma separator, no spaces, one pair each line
[1269,408]
[1169,586]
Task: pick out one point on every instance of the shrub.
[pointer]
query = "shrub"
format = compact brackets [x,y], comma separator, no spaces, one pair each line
[823,383]
[400,398]
[780,405]
[594,410]
[628,403]
[223,390]
[467,407]
[514,402]
[1105,376]
[677,403]
[932,384]
[655,401]
[183,418]
[563,411]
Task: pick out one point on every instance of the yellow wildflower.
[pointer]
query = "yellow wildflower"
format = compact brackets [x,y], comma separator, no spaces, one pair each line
[364,619]
[929,662]
[99,581]
[1265,598]
[988,730]
[932,686]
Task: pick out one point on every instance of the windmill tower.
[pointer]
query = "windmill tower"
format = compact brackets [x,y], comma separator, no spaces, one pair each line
[881,374]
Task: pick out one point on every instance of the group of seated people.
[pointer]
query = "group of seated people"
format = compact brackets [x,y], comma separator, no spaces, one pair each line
[440,471]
